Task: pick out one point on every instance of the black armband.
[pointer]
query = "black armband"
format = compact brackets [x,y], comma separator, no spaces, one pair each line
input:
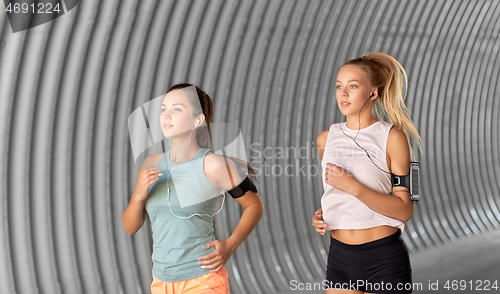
[400,181]
[240,190]
[409,181]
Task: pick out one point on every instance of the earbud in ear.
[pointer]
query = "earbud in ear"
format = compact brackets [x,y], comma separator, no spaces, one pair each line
[371,96]
[197,122]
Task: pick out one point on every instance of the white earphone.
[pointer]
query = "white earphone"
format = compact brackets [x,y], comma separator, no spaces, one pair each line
[197,122]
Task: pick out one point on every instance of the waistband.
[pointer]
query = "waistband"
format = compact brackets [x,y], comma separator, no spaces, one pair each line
[394,238]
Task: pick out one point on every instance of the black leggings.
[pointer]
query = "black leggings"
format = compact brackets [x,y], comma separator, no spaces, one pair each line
[380,266]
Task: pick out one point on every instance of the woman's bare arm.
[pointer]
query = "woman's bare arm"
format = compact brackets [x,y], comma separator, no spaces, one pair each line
[135,214]
[252,212]
[398,205]
[317,219]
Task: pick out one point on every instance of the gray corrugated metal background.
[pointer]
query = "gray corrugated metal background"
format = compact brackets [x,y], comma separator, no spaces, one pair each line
[68,87]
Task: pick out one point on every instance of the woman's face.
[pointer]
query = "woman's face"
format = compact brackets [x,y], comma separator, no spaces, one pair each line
[353,90]
[176,117]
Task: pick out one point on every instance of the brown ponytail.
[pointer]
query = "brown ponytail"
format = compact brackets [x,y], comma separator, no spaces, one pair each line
[204,105]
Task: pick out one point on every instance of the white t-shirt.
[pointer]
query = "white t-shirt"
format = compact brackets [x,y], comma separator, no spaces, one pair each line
[342,210]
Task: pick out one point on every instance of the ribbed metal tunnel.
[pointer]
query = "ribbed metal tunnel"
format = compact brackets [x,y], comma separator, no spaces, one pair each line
[68,87]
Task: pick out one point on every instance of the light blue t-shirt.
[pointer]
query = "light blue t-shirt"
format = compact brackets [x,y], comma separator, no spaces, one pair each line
[178,243]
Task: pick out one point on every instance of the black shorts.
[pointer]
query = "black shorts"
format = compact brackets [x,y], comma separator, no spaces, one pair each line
[380,266]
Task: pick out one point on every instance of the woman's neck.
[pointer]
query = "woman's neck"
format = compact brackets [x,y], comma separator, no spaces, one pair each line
[355,122]
[182,150]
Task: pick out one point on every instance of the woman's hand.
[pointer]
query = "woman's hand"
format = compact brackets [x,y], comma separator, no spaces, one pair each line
[145,179]
[340,178]
[218,258]
[318,223]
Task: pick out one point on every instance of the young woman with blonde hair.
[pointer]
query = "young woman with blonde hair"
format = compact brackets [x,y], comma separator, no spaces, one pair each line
[364,213]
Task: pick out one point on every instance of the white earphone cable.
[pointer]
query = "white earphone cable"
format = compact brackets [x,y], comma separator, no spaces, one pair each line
[168,181]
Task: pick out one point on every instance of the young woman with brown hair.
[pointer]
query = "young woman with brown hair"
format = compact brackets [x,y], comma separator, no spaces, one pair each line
[186,256]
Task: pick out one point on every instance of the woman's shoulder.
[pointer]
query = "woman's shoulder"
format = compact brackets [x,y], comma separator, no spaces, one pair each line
[217,163]
[396,135]
[216,170]
[397,143]
[323,136]
[321,139]
[213,157]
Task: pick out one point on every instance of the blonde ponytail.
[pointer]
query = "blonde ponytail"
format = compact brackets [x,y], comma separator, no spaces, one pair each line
[389,76]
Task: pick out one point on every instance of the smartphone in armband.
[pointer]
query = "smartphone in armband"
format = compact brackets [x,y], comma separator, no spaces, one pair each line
[409,181]
[414,192]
